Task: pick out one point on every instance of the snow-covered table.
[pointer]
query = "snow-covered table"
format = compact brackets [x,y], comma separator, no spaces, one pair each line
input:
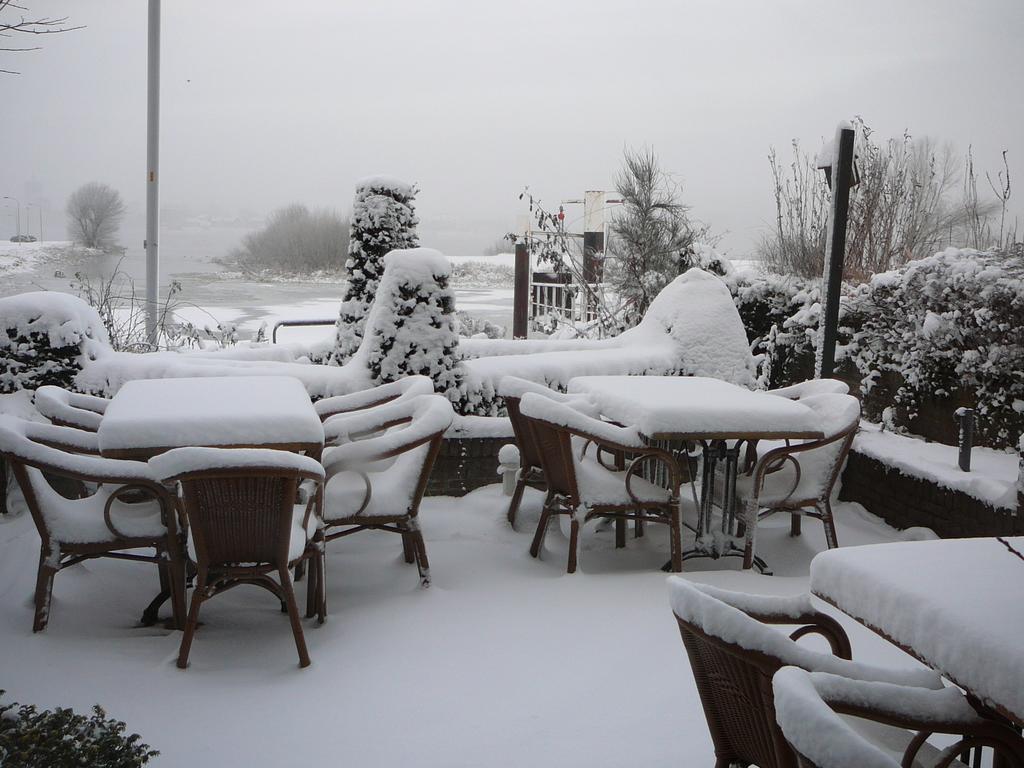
[955,604]
[672,410]
[150,416]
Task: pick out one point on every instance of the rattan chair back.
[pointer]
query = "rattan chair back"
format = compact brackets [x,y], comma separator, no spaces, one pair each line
[554,450]
[529,452]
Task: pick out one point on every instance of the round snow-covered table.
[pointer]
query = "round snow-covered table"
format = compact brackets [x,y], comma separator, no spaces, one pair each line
[151,416]
[953,604]
[674,410]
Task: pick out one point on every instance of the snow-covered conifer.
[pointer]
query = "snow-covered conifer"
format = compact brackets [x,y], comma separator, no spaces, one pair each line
[383,220]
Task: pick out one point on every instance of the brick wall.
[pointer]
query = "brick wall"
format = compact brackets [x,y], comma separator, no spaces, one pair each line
[465,464]
[904,502]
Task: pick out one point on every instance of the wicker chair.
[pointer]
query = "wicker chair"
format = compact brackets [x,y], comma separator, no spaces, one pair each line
[103,508]
[245,524]
[403,389]
[574,480]
[378,482]
[734,654]
[799,478]
[811,387]
[808,707]
[531,473]
[71,409]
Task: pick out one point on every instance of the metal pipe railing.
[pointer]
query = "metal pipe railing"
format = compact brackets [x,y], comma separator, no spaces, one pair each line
[298,324]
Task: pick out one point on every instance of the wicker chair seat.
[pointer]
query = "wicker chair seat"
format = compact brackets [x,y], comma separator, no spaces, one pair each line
[393,484]
[80,521]
[783,484]
[599,486]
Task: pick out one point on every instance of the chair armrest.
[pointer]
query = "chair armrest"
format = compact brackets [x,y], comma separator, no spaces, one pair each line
[154,490]
[357,454]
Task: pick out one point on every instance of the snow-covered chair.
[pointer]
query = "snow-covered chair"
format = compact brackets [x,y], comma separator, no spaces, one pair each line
[833,722]
[403,389]
[114,506]
[71,409]
[512,389]
[244,525]
[576,481]
[799,478]
[734,653]
[811,387]
[377,482]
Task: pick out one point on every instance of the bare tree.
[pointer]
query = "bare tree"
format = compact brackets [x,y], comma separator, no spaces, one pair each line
[13,23]
[95,212]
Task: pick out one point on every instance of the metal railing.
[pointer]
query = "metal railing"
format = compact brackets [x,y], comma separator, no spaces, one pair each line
[298,324]
[557,294]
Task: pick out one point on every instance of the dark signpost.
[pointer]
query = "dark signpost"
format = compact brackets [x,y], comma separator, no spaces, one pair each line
[521,293]
[840,176]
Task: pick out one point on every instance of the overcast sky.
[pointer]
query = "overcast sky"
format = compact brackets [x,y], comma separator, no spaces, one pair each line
[265,103]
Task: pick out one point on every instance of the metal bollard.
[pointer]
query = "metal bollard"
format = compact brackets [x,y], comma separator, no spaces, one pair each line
[965,438]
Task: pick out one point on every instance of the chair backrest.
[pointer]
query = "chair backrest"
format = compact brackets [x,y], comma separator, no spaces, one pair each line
[811,387]
[734,654]
[405,388]
[512,389]
[70,409]
[239,502]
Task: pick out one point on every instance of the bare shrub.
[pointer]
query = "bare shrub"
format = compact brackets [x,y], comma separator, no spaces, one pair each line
[904,207]
[95,212]
[296,240]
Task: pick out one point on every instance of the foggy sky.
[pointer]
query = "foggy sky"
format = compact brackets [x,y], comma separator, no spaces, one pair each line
[264,104]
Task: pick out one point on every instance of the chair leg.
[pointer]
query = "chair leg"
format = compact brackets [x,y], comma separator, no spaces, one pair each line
[751,527]
[408,548]
[542,528]
[676,538]
[313,588]
[420,548]
[638,528]
[293,615]
[44,590]
[300,570]
[517,498]
[321,564]
[176,575]
[831,537]
[794,524]
[193,620]
[574,536]
[620,532]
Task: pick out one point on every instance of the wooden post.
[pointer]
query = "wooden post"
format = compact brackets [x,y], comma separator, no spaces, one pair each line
[521,294]
[841,178]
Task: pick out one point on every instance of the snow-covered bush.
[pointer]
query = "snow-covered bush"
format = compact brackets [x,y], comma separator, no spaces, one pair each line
[47,337]
[61,739]
[478,327]
[948,326]
[412,328]
[383,220]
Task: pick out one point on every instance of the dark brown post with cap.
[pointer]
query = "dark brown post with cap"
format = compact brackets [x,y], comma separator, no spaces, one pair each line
[521,294]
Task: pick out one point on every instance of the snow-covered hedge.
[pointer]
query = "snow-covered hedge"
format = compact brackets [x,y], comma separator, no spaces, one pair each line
[47,337]
[943,331]
[948,326]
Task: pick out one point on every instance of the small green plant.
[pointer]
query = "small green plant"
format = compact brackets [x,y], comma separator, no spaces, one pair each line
[62,738]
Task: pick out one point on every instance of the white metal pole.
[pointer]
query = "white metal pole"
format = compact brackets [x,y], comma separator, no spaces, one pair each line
[152,173]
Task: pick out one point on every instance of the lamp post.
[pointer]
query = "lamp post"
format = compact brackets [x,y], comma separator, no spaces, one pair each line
[841,176]
[18,203]
[152,171]
[39,210]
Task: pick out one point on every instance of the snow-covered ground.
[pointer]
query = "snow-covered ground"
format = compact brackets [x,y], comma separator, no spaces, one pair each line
[503,661]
